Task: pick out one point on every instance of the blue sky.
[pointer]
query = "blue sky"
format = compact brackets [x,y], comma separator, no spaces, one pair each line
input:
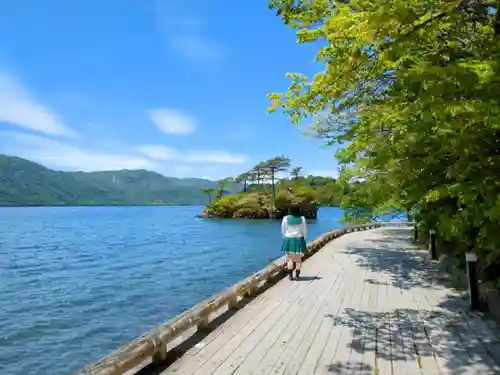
[175,87]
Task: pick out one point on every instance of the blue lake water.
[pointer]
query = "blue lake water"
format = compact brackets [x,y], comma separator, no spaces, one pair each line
[77,282]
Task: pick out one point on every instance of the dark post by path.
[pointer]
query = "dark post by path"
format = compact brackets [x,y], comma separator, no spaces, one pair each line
[432,244]
[415,232]
[471,261]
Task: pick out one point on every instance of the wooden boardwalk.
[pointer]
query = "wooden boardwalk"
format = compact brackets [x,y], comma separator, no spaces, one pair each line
[367,303]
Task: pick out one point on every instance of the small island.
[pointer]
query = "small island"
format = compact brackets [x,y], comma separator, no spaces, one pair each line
[267,193]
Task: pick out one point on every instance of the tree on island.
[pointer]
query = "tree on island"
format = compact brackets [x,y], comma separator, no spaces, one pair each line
[296,172]
[209,192]
[243,178]
[223,183]
[252,178]
[275,165]
[259,171]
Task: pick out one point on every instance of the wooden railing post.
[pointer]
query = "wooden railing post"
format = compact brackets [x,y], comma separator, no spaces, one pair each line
[432,244]
[251,290]
[202,324]
[160,354]
[415,232]
[232,303]
[471,262]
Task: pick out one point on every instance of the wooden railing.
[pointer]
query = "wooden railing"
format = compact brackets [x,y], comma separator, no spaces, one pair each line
[153,345]
[395,223]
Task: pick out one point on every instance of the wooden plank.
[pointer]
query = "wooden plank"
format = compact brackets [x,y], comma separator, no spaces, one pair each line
[405,325]
[450,355]
[377,349]
[289,358]
[478,358]
[467,332]
[364,328]
[387,304]
[436,326]
[399,355]
[264,347]
[409,314]
[400,307]
[383,334]
[290,361]
[284,345]
[205,349]
[326,322]
[244,320]
[484,338]
[234,351]
[346,325]
[413,319]
[332,323]
[398,361]
[369,345]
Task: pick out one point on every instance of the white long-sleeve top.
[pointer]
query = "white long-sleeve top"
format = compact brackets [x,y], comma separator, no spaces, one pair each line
[299,230]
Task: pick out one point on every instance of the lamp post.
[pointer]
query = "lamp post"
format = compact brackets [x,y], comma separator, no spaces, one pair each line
[471,265]
[432,244]
[471,262]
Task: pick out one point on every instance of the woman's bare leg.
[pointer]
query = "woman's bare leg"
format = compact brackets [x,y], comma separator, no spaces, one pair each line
[298,265]
[290,266]
[294,262]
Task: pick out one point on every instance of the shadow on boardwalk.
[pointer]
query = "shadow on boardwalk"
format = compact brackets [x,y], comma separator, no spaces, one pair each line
[360,368]
[448,330]
[395,257]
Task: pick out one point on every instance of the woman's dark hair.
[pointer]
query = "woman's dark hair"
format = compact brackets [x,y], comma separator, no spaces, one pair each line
[294,210]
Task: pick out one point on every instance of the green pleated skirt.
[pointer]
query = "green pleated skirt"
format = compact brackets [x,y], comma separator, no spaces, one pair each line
[295,245]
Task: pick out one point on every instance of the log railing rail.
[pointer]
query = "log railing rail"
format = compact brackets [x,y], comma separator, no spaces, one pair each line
[153,345]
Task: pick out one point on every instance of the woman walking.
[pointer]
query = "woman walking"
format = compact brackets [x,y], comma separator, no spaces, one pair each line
[294,230]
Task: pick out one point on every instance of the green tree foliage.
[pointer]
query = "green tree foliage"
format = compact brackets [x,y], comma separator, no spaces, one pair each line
[410,89]
[208,192]
[226,207]
[296,172]
[259,172]
[222,184]
[244,178]
[259,205]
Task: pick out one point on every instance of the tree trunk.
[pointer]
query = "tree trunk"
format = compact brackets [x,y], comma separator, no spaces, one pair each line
[245,186]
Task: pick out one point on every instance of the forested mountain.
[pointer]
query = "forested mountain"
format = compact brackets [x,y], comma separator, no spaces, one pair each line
[25,183]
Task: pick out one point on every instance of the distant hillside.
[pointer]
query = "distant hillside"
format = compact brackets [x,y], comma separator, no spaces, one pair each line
[25,183]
